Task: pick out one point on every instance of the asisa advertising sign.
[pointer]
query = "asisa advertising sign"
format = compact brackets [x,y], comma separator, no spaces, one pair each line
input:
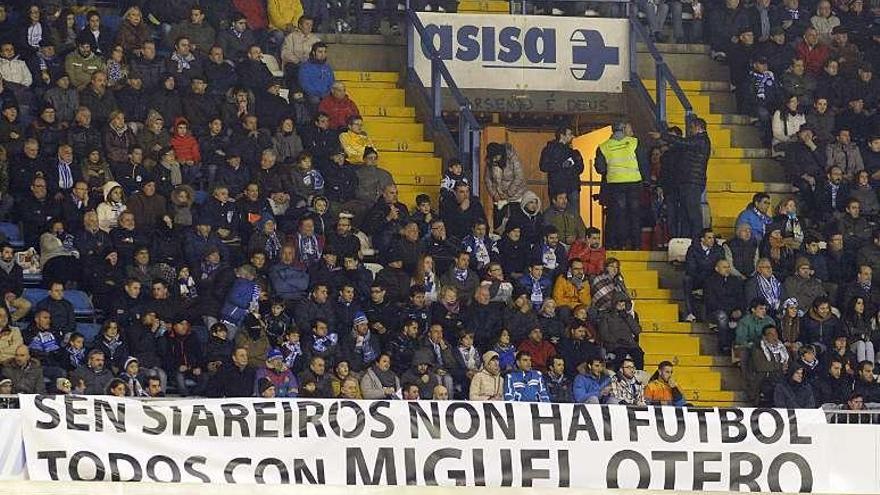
[530,53]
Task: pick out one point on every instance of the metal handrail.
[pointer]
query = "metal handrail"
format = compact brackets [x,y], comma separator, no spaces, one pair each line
[663,74]
[468,127]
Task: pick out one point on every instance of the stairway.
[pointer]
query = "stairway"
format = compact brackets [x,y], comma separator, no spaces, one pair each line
[398,137]
[739,167]
[484,7]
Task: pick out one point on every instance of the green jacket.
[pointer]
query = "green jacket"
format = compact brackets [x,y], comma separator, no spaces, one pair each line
[748,330]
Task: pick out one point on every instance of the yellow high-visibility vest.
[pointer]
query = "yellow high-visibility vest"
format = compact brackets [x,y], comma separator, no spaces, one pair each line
[620,155]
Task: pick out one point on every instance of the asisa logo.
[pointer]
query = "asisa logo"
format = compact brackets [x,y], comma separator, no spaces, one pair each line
[511,47]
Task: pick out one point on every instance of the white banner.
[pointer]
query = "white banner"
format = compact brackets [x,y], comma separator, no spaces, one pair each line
[529,53]
[11,448]
[441,443]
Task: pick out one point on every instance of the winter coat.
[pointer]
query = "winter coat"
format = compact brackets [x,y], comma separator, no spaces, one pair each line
[238,300]
[525,386]
[587,386]
[316,78]
[507,183]
[563,166]
[27,379]
[694,155]
[288,281]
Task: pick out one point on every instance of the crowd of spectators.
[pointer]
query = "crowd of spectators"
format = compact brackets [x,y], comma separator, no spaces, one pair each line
[239,243]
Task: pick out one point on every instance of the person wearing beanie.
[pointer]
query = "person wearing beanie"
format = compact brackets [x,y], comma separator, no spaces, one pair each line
[133,378]
[359,346]
[266,389]
[802,285]
[277,375]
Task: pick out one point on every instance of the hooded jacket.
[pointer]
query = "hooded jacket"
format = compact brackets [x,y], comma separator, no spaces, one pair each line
[485,385]
[507,182]
[186,147]
[108,213]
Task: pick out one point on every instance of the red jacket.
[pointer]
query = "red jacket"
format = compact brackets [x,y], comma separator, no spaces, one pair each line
[594,259]
[254,11]
[542,353]
[814,59]
[338,110]
[186,147]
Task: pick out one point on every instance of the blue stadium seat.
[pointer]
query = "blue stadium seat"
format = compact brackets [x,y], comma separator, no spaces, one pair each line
[13,234]
[89,330]
[34,295]
[82,303]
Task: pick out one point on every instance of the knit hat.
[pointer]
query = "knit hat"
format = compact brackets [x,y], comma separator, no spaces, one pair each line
[360,318]
[791,301]
[264,384]
[131,359]
[274,354]
[5,381]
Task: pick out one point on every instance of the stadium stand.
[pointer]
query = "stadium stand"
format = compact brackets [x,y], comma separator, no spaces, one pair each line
[230,197]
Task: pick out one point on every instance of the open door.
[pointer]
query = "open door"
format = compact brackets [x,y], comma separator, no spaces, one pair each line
[587,144]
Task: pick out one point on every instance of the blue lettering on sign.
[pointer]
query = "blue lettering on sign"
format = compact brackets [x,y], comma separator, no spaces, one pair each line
[494,48]
[506,47]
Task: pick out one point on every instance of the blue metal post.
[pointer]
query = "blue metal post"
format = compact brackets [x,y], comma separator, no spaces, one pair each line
[661,94]
[436,86]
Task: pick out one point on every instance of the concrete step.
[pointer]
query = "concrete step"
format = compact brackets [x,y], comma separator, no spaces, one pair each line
[647,279]
[400,132]
[657,311]
[393,97]
[386,110]
[712,398]
[701,361]
[366,76]
[685,66]
[681,48]
[671,344]
[484,7]
[391,144]
[664,326]
[405,161]
[740,152]
[698,378]
[650,294]
[624,256]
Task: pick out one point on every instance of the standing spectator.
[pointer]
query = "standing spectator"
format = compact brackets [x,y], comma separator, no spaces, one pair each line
[616,160]
[505,178]
[564,165]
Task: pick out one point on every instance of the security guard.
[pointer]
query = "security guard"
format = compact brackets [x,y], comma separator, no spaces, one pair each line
[618,163]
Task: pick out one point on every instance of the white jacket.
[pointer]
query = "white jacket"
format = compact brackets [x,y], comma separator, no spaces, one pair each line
[15,71]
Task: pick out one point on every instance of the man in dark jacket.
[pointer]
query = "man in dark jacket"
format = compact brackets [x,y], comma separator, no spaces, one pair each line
[805,164]
[835,386]
[461,215]
[563,166]
[700,260]
[723,295]
[60,309]
[316,306]
[93,378]
[235,379]
[694,151]
[35,211]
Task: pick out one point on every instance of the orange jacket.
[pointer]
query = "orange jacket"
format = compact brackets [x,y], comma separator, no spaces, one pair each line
[566,294]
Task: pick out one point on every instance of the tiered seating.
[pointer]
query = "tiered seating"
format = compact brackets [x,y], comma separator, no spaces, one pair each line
[399,138]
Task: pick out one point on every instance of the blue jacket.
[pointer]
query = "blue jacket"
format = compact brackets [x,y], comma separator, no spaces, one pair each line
[525,386]
[238,300]
[289,282]
[196,246]
[756,220]
[527,283]
[315,79]
[586,386]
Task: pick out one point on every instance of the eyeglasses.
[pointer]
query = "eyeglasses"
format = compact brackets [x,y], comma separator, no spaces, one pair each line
[628,367]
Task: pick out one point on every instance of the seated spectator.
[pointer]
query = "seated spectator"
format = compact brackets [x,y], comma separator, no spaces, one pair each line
[751,327]
[535,284]
[541,350]
[278,374]
[859,329]
[790,326]
[781,251]
[590,251]
[558,382]
[422,373]
[863,287]
[866,384]
[235,40]
[625,386]
[865,194]
[525,384]
[811,52]
[25,372]
[756,215]
[619,330]
[802,285]
[316,76]
[290,281]
[486,384]
[845,155]
[797,83]
[786,123]
[794,392]
[835,386]
[723,298]
[699,262]
[339,107]
[234,379]
[94,377]
[765,365]
[824,22]
[572,288]
[820,325]
[662,389]
[592,385]
[606,285]
[379,381]
[355,140]
[821,116]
